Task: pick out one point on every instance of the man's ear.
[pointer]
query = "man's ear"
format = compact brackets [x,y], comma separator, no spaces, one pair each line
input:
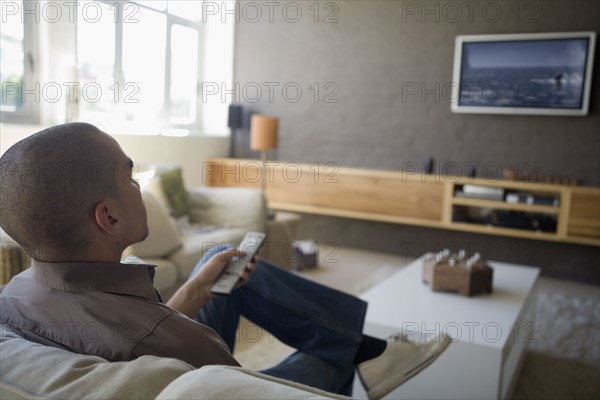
[108,216]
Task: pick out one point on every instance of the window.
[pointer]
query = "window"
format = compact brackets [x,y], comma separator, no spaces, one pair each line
[144,73]
[18,56]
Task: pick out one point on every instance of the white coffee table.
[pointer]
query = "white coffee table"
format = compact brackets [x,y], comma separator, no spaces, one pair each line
[490,331]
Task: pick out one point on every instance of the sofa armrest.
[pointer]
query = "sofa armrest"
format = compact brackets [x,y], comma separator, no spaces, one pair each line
[233,207]
[223,382]
[44,372]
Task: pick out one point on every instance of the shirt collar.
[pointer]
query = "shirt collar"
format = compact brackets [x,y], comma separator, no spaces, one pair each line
[129,279]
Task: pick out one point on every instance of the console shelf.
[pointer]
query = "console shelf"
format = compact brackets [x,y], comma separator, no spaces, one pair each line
[500,231]
[504,205]
[568,214]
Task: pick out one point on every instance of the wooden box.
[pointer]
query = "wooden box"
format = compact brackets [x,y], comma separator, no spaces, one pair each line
[453,273]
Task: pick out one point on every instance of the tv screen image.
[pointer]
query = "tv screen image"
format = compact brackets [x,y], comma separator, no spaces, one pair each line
[523,73]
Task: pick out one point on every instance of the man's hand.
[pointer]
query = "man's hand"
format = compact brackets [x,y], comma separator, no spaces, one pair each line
[193,294]
[250,267]
[210,271]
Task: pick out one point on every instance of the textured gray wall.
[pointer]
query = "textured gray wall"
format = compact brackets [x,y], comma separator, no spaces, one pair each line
[365,60]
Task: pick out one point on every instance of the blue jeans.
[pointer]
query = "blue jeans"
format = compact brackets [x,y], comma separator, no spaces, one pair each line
[324,325]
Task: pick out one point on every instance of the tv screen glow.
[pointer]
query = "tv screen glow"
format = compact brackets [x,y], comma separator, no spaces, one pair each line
[548,73]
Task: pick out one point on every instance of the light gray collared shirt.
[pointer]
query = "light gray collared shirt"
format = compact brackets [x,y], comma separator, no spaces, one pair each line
[106,309]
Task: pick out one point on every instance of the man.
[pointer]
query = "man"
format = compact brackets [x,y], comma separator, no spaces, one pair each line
[69,199]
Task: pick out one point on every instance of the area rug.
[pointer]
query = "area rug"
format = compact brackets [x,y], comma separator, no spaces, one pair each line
[563,357]
[568,326]
[549,377]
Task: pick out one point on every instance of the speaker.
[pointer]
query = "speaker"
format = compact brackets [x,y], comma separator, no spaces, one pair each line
[429,166]
[234,119]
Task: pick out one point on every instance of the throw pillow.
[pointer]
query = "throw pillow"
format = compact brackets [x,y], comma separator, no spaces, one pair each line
[171,181]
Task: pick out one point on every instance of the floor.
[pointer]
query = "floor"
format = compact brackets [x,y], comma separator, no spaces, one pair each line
[562,362]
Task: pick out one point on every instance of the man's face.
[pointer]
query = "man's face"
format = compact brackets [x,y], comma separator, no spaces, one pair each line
[133,218]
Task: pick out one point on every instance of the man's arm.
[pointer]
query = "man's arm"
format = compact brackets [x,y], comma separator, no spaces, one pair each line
[195,292]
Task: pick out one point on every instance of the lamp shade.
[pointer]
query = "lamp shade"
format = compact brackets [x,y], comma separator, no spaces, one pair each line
[263,132]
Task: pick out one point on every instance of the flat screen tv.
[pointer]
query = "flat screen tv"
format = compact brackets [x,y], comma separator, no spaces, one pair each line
[534,73]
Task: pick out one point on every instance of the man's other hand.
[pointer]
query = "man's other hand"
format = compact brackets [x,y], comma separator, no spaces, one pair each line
[211,270]
[196,291]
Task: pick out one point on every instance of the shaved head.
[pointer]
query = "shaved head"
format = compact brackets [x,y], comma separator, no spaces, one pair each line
[50,184]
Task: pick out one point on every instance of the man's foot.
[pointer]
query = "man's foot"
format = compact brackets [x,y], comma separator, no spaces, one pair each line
[401,360]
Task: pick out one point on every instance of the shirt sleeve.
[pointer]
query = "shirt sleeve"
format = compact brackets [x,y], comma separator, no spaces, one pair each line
[177,336]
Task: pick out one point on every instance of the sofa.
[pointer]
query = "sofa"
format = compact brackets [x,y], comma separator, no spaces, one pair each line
[33,371]
[183,224]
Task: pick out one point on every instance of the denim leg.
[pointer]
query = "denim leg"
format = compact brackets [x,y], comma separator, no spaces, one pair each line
[305,315]
[323,324]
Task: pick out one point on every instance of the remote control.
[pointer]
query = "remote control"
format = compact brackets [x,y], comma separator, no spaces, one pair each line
[231,273]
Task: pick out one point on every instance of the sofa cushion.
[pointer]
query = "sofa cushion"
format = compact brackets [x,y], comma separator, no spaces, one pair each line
[164,236]
[220,382]
[33,371]
[234,207]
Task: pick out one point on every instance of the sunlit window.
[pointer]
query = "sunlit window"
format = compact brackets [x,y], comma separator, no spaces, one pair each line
[191,10]
[96,63]
[144,44]
[17,59]
[146,65]
[183,71]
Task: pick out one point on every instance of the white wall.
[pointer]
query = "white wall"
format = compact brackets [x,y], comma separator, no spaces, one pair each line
[11,134]
[190,152]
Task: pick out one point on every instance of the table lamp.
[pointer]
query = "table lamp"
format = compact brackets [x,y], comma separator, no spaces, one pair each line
[263,137]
